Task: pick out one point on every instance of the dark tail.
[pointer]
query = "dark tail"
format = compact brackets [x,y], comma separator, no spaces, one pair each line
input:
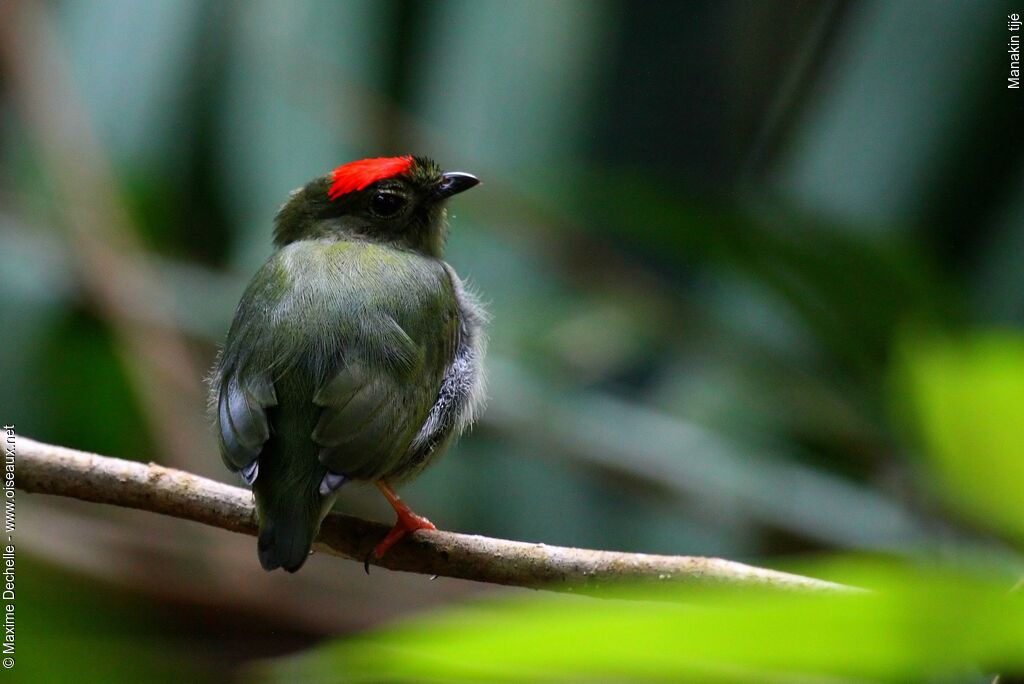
[285,539]
[287,485]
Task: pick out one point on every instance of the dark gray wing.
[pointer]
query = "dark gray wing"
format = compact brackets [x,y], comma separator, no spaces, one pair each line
[241,387]
[242,421]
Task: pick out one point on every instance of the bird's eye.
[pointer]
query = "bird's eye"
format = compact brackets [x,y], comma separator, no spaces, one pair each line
[387,204]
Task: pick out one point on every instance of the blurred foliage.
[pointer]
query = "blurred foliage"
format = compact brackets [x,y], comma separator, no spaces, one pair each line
[77,362]
[742,259]
[966,395]
[911,625]
[75,630]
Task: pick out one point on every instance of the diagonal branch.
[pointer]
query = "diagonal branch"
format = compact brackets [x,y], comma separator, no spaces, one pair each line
[47,469]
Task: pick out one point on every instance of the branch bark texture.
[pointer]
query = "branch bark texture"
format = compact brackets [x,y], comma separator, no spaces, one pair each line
[47,469]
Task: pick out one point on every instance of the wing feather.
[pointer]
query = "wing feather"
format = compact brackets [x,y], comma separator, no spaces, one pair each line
[242,419]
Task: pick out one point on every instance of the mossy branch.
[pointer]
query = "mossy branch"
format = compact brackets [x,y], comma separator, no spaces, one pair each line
[47,469]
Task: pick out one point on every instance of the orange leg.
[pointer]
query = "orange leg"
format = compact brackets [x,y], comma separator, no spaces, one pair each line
[407,521]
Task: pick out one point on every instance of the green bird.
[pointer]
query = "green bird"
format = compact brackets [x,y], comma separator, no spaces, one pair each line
[354,354]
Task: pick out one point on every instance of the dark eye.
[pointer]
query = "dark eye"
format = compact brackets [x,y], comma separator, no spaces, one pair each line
[387,204]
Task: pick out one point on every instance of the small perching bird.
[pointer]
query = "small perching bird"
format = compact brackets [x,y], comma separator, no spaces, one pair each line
[355,352]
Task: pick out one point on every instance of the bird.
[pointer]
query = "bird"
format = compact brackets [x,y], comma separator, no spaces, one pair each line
[355,353]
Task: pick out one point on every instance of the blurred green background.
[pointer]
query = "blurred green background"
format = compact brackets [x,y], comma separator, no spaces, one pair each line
[755,270]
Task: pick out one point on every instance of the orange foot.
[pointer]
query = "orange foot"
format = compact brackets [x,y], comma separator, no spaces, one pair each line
[407,522]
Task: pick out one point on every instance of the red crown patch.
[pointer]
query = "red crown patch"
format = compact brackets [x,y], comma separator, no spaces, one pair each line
[359,174]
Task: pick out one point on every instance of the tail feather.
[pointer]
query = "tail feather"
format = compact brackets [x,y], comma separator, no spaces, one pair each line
[284,541]
[286,489]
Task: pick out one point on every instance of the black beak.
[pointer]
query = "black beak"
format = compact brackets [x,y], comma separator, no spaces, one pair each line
[454,182]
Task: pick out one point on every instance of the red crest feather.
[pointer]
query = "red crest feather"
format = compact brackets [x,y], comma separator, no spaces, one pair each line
[359,174]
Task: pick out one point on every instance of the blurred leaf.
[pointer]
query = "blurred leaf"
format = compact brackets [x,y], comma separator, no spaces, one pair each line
[914,623]
[850,287]
[78,630]
[967,398]
[91,402]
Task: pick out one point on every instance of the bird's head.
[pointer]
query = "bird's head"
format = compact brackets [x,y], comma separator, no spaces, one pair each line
[398,200]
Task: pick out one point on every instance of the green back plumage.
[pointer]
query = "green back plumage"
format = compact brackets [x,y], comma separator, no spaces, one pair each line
[354,353]
[355,338]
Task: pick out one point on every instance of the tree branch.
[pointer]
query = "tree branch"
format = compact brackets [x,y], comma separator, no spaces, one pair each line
[47,469]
